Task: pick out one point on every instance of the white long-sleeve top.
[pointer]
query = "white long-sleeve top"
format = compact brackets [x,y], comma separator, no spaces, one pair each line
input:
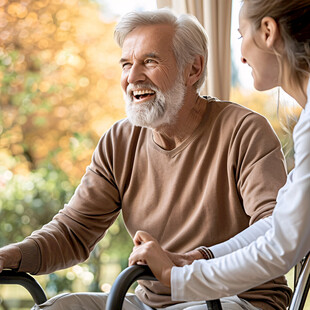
[244,238]
[272,254]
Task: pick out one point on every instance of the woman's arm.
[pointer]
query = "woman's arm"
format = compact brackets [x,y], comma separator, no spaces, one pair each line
[242,239]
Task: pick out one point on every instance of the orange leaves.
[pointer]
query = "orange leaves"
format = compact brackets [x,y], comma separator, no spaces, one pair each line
[17,9]
[59,76]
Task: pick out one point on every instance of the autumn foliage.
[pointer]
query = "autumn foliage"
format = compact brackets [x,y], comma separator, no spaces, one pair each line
[59,92]
[59,83]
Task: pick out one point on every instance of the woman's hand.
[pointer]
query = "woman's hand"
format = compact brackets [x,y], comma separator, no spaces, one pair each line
[148,251]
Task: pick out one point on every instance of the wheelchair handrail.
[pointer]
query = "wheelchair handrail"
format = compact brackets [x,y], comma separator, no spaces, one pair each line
[127,277]
[25,280]
[122,283]
[302,286]
[214,304]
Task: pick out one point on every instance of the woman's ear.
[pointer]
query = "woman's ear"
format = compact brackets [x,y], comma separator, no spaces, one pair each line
[194,70]
[270,31]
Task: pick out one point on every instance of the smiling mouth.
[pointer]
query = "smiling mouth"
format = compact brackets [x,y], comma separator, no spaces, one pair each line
[143,94]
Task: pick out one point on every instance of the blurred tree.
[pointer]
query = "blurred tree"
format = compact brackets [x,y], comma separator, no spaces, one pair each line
[59,82]
[28,202]
[59,91]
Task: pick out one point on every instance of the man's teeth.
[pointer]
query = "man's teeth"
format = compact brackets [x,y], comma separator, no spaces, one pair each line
[143,92]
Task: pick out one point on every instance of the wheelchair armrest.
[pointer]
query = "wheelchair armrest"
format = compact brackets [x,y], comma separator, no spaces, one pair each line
[127,277]
[122,283]
[25,280]
[302,285]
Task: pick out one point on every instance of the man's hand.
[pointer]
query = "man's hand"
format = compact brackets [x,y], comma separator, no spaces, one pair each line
[10,257]
[148,251]
[181,260]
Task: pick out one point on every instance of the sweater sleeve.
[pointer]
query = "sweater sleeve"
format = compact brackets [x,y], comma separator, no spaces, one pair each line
[253,156]
[75,230]
[258,164]
[271,255]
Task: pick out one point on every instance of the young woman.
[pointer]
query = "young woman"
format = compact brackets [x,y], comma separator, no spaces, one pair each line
[276,45]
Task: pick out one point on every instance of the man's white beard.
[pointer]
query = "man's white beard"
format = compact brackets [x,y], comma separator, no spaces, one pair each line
[161,110]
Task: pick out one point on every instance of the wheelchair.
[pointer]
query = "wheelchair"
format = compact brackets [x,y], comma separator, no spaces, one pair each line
[138,272]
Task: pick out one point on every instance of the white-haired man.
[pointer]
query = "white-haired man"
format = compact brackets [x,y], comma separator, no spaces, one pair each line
[192,171]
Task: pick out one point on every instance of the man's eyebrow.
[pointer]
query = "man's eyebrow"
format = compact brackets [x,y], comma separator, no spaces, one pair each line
[122,60]
[151,55]
[147,55]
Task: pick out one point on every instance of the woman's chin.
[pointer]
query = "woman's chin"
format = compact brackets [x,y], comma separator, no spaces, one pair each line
[262,87]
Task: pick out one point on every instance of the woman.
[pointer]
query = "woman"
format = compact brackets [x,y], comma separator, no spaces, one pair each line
[276,45]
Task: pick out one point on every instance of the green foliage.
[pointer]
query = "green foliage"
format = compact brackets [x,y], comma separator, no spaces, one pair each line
[115,247]
[57,284]
[28,202]
[19,93]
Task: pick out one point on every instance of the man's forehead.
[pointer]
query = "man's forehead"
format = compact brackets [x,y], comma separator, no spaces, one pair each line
[150,40]
[151,33]
[166,28]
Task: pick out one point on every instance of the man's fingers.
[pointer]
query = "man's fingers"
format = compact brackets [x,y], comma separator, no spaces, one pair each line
[136,259]
[137,238]
[140,254]
[141,262]
[142,237]
[138,262]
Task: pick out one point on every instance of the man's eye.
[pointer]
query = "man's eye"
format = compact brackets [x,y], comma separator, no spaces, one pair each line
[126,65]
[150,61]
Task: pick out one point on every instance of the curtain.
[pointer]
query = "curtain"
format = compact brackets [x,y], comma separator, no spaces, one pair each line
[215,17]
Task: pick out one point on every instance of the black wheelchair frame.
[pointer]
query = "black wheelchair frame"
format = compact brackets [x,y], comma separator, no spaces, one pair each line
[131,274]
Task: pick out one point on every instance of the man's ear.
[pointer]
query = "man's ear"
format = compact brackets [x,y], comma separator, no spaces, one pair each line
[194,70]
[270,31]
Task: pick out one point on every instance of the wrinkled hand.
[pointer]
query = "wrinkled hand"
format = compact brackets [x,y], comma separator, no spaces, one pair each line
[148,251]
[10,257]
[181,260]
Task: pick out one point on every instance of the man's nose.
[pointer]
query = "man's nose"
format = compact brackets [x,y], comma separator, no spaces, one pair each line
[136,74]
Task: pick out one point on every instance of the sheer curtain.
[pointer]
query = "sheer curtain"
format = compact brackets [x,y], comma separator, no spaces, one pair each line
[215,16]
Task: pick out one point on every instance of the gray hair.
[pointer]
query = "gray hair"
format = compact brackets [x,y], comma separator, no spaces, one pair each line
[190,37]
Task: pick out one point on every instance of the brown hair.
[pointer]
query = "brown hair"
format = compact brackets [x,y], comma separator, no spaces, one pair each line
[292,17]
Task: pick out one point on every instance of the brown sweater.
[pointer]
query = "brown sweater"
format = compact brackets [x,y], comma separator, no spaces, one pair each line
[224,177]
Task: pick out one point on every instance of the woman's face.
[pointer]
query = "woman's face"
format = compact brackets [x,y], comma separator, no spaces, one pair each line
[255,53]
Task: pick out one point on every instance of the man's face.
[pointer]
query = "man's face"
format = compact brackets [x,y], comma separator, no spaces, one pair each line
[153,88]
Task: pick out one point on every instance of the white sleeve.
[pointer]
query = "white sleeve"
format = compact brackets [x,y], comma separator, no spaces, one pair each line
[271,255]
[242,239]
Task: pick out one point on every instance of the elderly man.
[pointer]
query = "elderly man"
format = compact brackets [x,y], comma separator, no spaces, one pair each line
[192,171]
